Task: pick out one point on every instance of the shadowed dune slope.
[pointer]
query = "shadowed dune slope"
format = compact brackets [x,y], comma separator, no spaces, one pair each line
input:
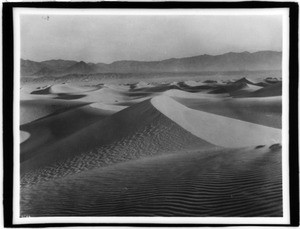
[157,88]
[247,81]
[272,90]
[105,95]
[31,110]
[45,132]
[235,88]
[135,132]
[61,89]
[225,183]
[216,129]
[248,88]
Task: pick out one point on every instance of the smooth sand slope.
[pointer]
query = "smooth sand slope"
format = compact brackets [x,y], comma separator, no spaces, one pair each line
[265,111]
[231,133]
[24,136]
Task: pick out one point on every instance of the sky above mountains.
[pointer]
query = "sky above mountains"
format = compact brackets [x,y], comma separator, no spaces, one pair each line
[108,38]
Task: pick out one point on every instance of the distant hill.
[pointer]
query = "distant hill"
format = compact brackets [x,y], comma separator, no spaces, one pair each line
[58,64]
[232,61]
[81,68]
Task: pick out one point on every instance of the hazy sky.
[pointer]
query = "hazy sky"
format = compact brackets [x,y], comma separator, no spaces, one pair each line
[108,38]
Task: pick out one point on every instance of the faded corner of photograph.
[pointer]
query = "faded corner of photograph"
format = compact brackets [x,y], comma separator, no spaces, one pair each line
[151,115]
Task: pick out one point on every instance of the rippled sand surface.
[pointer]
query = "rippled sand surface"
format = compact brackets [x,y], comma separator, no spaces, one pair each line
[213,183]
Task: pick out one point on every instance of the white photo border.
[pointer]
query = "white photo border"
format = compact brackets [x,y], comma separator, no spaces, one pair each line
[283,12]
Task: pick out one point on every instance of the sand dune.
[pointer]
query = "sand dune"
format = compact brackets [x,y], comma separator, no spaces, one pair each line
[142,121]
[235,183]
[35,109]
[191,83]
[60,89]
[247,81]
[151,149]
[264,111]
[47,131]
[24,136]
[184,94]
[142,125]
[231,132]
[140,84]
[246,89]
[104,95]
[271,90]
[108,108]
[117,87]
[157,88]
[272,80]
[235,88]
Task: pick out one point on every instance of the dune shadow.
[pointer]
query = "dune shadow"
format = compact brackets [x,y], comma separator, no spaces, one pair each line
[68,96]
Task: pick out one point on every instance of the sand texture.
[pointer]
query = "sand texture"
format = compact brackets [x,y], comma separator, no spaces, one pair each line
[173,148]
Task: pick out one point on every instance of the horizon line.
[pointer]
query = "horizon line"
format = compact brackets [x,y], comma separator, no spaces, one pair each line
[205,54]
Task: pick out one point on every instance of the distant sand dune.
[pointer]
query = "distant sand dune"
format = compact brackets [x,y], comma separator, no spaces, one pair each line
[184,94]
[191,83]
[60,89]
[104,95]
[34,109]
[247,81]
[246,89]
[157,88]
[235,88]
[271,90]
[140,85]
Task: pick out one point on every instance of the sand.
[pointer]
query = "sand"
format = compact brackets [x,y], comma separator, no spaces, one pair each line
[226,183]
[177,148]
[141,125]
[34,109]
[231,133]
[270,90]
[265,111]
[60,89]
[24,136]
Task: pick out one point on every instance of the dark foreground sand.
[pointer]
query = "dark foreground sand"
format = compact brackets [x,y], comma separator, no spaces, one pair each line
[243,182]
[171,149]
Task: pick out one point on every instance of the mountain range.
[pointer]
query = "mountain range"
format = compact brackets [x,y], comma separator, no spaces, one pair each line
[232,61]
